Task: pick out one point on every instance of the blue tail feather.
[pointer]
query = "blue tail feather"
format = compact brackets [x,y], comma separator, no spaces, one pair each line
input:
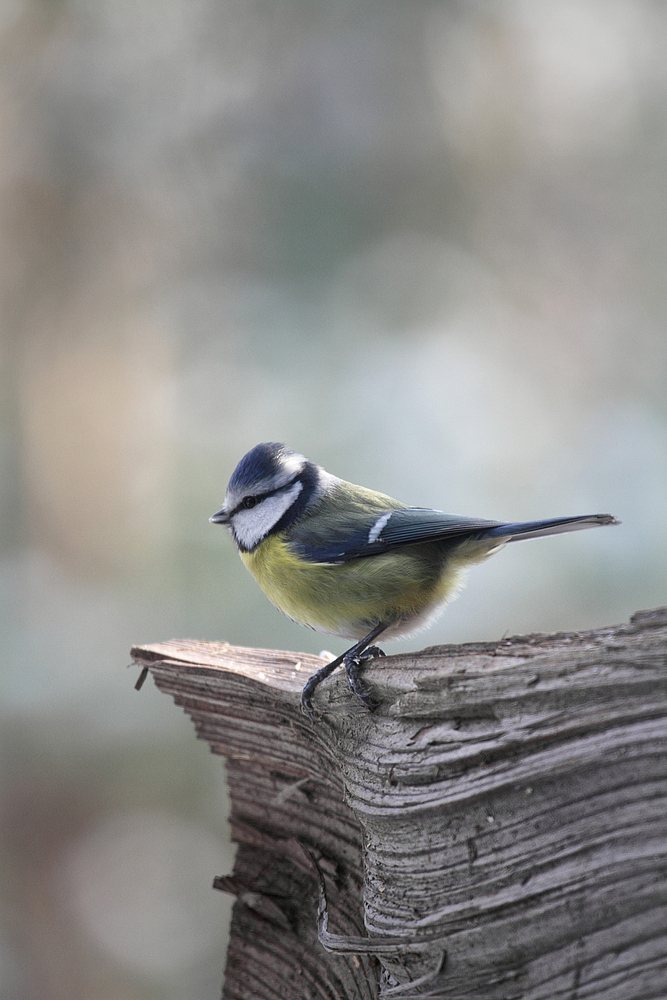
[554,526]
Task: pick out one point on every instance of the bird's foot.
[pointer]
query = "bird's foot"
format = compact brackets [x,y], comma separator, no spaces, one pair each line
[353,666]
[372,652]
[306,703]
[353,660]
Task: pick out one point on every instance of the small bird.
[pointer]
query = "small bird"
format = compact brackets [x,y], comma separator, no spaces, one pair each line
[351,562]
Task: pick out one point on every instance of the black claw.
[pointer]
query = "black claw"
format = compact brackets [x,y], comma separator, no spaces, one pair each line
[306,704]
[353,665]
[372,653]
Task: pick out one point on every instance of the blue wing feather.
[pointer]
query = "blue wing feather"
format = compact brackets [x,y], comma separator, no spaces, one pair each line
[415,525]
[408,526]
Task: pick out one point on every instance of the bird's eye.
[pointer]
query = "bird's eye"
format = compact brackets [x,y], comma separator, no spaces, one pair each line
[249,502]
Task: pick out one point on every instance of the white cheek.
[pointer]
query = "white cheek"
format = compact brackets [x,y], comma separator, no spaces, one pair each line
[250,526]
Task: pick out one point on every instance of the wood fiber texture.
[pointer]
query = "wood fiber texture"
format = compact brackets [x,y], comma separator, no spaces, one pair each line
[508,799]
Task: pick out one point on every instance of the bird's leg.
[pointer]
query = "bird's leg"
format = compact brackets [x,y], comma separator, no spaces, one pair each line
[352,660]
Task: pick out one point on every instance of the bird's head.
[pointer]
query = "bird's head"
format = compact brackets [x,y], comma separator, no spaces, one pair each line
[269,488]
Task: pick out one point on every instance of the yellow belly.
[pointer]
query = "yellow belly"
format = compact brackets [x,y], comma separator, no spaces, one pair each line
[406,587]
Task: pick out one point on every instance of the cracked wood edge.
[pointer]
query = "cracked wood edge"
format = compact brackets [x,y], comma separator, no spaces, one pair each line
[512,793]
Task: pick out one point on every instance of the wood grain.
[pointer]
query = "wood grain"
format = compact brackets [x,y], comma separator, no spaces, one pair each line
[506,803]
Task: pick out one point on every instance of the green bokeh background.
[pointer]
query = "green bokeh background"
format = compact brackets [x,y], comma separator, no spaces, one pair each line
[423,243]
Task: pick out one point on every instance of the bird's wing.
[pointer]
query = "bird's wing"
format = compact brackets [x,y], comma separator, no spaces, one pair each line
[388,530]
[412,525]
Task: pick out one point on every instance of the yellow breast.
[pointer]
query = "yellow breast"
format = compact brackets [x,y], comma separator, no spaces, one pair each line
[406,587]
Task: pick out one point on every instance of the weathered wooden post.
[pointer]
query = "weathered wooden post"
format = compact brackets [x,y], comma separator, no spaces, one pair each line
[497,828]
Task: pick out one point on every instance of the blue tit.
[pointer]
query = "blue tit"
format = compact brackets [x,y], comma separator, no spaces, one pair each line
[351,562]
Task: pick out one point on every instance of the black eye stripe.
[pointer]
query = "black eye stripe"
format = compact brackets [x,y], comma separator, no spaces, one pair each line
[258,497]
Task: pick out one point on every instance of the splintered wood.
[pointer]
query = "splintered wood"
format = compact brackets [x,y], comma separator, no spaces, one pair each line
[500,821]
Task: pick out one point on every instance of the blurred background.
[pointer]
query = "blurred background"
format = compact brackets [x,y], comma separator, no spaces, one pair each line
[423,243]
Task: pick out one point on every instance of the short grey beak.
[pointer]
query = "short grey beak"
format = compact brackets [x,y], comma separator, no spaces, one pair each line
[220,518]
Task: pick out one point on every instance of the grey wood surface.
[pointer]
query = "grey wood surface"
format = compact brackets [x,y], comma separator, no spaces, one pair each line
[503,812]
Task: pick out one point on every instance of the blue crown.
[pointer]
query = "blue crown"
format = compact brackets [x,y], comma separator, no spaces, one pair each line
[263,462]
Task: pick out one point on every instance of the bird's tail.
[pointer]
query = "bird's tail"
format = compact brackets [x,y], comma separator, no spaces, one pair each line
[535,529]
